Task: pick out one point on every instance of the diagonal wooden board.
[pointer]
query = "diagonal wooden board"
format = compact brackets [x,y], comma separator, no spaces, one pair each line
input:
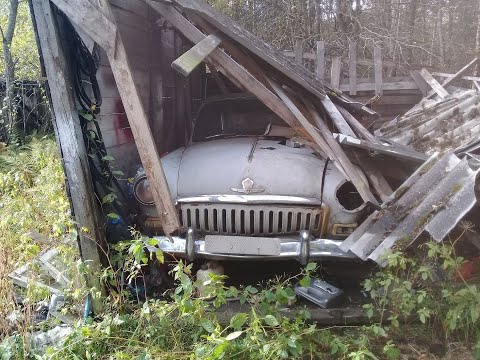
[189,61]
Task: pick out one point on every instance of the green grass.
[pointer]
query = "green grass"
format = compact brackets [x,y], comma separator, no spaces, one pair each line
[32,198]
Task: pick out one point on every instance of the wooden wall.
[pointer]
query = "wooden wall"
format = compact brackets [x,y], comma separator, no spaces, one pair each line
[152,46]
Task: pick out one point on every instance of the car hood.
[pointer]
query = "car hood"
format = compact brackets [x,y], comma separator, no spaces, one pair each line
[220,166]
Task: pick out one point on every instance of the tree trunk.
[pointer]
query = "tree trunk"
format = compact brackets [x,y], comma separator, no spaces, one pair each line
[7,37]
[411,19]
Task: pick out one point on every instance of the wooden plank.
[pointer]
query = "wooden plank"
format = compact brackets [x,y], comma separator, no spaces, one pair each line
[93,22]
[237,33]
[299,51]
[447,75]
[356,125]
[455,76]
[69,136]
[335,72]
[320,58]
[337,118]
[139,124]
[378,68]
[387,86]
[375,176]
[313,56]
[353,172]
[352,73]
[434,84]
[189,61]
[226,64]
[477,85]
[420,81]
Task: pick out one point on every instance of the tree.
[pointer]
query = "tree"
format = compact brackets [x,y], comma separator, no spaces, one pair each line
[7,38]
[19,58]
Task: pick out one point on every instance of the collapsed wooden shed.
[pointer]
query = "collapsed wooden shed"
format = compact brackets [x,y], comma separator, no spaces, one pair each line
[150,79]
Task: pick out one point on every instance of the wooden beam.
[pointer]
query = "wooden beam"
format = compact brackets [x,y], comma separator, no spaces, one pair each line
[86,210]
[356,125]
[299,51]
[378,68]
[447,75]
[353,172]
[352,73]
[320,58]
[434,84]
[455,76]
[319,140]
[374,175]
[92,21]
[337,117]
[226,64]
[335,72]
[189,61]
[139,124]
[420,81]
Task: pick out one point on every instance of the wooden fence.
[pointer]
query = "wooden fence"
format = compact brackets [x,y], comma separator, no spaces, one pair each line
[392,96]
[347,79]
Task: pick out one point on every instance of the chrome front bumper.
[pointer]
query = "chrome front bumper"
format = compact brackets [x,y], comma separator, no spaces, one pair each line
[304,249]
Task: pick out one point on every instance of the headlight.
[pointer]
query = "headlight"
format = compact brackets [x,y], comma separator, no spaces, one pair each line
[348,196]
[142,191]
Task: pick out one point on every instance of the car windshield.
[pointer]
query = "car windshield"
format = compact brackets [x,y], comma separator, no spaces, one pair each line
[235,117]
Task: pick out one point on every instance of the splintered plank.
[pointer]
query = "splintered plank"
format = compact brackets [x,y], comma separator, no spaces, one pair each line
[455,76]
[434,84]
[189,61]
[337,117]
[420,81]
[356,125]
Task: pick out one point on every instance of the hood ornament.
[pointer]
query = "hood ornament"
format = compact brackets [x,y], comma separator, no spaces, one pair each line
[248,187]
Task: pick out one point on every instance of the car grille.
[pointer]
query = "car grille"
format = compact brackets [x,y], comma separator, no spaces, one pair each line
[240,219]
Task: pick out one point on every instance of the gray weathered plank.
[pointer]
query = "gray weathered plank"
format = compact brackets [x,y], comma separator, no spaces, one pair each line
[353,172]
[70,139]
[320,60]
[455,76]
[94,23]
[337,117]
[356,125]
[189,61]
[335,72]
[352,69]
[378,68]
[420,81]
[299,51]
[434,84]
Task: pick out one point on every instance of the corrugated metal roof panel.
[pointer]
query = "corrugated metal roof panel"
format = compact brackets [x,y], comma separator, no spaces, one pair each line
[434,199]
[438,125]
